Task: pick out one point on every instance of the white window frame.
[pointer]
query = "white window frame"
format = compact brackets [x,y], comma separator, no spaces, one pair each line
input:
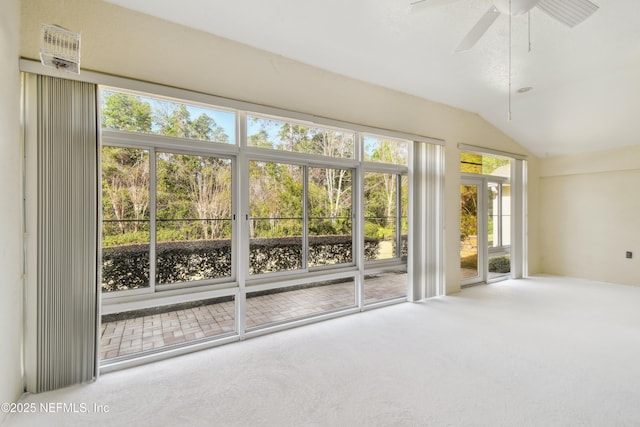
[152,144]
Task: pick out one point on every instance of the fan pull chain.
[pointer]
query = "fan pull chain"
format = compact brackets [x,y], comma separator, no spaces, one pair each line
[510,16]
[529,24]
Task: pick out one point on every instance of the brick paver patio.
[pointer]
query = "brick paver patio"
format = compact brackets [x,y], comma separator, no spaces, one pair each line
[129,336]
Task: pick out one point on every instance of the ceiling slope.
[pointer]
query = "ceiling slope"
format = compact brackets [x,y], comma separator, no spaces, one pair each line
[585,79]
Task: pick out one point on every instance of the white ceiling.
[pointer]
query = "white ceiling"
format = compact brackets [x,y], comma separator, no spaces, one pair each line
[586,79]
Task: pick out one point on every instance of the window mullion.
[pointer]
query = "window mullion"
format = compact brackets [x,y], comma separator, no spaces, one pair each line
[499,215]
[398,253]
[153,188]
[305,218]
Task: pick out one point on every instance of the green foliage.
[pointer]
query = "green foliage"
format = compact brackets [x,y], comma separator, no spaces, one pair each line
[500,264]
[122,111]
[393,152]
[126,238]
[470,262]
[175,120]
[471,163]
[371,230]
[193,196]
[468,212]
[481,164]
[127,267]
[189,261]
[322,228]
[126,112]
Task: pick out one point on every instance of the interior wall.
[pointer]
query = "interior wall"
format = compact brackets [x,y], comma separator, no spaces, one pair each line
[10,216]
[126,43]
[589,215]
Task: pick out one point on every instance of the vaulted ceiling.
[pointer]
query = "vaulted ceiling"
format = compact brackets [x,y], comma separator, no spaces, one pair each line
[585,79]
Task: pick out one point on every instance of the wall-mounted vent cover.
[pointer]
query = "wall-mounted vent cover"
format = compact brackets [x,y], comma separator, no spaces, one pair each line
[60,48]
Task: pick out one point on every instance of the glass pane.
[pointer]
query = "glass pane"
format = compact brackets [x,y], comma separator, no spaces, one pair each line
[296,302]
[275,217]
[506,214]
[384,286]
[281,135]
[386,150]
[380,204]
[330,224]
[147,114]
[468,231]
[131,332]
[404,216]
[125,218]
[499,265]
[193,218]
[493,212]
[485,165]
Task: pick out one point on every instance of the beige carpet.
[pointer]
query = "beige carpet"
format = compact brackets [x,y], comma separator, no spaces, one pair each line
[543,351]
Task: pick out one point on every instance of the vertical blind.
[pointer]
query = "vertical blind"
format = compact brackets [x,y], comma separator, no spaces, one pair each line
[67,291]
[426,263]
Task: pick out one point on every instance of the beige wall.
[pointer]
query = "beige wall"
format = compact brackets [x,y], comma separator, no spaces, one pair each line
[129,44]
[590,215]
[10,214]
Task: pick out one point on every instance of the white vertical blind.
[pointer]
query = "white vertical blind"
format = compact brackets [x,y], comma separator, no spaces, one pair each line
[426,237]
[518,223]
[67,233]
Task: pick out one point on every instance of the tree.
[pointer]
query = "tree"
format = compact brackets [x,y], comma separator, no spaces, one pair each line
[126,112]
[386,184]
[125,186]
[175,120]
[125,171]
[468,212]
[191,187]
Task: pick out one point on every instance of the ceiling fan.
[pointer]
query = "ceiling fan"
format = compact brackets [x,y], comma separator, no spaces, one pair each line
[568,12]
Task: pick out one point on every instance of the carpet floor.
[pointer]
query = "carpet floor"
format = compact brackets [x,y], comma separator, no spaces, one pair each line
[542,351]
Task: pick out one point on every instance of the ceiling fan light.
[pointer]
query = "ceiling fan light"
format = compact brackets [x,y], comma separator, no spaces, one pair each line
[519,7]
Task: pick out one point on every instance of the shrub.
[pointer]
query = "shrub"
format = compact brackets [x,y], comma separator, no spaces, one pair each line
[127,266]
[193,260]
[470,261]
[371,230]
[404,246]
[500,264]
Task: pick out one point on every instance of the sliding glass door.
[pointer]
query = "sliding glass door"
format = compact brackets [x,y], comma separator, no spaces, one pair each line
[472,230]
[485,229]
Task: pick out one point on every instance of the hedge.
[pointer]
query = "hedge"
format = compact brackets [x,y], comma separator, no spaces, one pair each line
[127,266]
[500,264]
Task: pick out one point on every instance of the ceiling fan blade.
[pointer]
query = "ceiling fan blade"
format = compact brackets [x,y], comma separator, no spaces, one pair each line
[518,7]
[478,30]
[569,12]
[419,5]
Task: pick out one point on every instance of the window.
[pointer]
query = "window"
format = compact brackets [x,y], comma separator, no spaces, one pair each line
[386,207]
[283,235]
[175,181]
[276,217]
[483,164]
[125,219]
[299,301]
[275,134]
[485,217]
[330,216]
[153,115]
[386,150]
[193,218]
[499,205]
